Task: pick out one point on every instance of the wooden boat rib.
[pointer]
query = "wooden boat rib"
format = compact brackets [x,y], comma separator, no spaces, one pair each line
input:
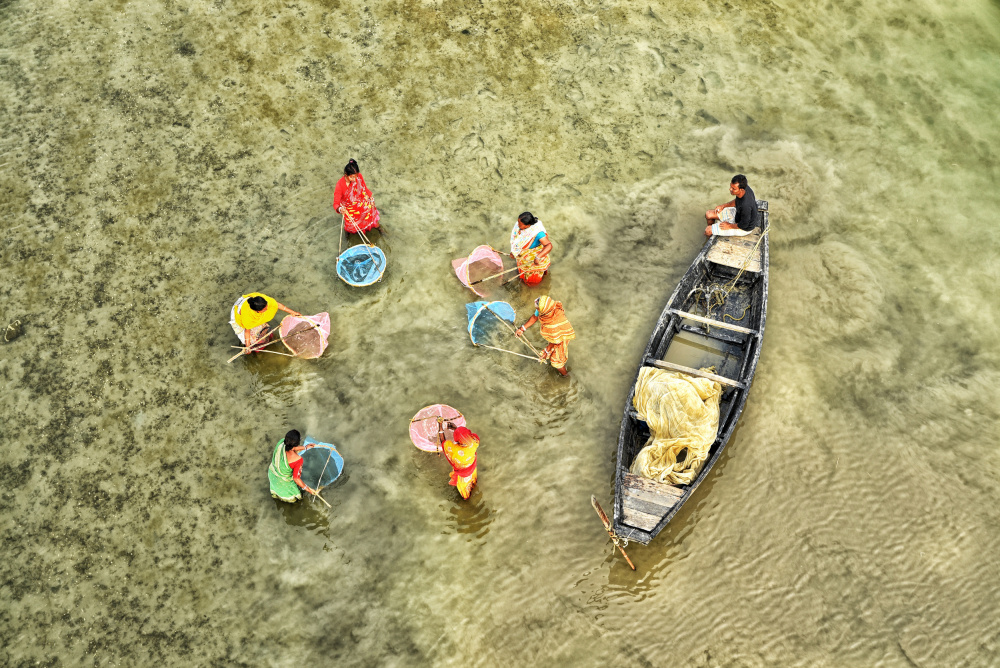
[687,338]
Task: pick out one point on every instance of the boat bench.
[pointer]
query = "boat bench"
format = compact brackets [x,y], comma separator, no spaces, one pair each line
[734,251]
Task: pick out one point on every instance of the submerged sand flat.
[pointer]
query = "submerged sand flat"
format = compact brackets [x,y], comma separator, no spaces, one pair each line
[158,159]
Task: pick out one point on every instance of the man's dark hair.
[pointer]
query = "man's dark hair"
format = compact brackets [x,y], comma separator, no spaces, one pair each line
[741,181]
[352,167]
[292,439]
[257,303]
[527,219]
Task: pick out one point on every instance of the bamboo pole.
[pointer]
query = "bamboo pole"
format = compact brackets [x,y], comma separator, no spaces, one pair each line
[504,350]
[505,271]
[260,345]
[511,328]
[611,532]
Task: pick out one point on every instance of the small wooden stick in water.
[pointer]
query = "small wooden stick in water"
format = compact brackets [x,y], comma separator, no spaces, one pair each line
[611,532]
[316,494]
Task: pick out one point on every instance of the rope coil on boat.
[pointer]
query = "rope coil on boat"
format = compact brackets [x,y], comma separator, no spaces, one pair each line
[716,295]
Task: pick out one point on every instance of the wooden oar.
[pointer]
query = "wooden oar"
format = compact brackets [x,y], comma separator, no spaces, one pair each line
[505,271]
[611,532]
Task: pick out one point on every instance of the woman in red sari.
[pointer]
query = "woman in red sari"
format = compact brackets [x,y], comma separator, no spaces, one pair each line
[353,200]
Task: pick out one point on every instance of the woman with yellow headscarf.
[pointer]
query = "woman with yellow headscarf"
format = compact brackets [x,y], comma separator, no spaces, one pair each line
[250,316]
[461,454]
[556,330]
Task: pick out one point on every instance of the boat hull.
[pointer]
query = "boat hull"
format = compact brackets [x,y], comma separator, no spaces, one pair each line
[687,337]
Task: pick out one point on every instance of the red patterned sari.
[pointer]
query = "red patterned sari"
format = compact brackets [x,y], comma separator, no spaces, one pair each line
[354,200]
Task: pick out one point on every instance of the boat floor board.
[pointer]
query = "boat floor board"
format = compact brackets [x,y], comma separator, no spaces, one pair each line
[733,251]
[640,520]
[657,489]
[645,502]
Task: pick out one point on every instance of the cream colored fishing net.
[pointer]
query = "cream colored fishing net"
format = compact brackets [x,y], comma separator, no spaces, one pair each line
[682,413]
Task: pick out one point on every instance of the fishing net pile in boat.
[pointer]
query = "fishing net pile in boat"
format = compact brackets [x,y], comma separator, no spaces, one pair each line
[321,464]
[682,412]
[483,262]
[361,265]
[424,426]
[306,336]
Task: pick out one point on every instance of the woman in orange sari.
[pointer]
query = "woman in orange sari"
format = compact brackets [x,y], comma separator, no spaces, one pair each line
[556,330]
[353,200]
[461,454]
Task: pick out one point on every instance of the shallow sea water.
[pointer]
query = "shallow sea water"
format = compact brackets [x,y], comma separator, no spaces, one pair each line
[159,159]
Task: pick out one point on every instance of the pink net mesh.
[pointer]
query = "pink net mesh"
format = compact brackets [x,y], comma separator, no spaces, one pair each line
[306,336]
[424,426]
[482,262]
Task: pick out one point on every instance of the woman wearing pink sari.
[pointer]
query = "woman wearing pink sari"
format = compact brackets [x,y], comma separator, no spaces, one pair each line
[353,200]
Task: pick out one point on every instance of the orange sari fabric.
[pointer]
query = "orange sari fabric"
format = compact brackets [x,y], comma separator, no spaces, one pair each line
[360,214]
[556,329]
[531,273]
[462,457]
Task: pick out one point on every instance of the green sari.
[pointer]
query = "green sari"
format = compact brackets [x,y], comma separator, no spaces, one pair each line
[279,474]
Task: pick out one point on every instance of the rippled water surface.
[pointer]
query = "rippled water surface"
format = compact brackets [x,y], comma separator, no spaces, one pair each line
[160,158]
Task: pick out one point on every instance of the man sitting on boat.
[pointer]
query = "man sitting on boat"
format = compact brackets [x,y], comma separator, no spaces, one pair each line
[250,316]
[737,218]
[530,247]
[556,330]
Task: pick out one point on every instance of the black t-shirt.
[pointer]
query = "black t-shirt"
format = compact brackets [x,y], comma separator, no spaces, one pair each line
[746,211]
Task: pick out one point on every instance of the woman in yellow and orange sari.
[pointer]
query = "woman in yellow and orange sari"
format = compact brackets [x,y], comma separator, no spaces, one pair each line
[461,454]
[556,330]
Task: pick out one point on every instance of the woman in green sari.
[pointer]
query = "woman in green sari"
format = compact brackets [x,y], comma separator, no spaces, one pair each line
[286,467]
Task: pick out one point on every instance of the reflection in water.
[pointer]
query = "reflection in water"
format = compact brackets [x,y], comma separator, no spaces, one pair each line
[471,516]
[308,513]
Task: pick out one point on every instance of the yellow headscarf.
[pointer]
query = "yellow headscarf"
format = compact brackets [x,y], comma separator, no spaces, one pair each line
[555,326]
[247,318]
[545,304]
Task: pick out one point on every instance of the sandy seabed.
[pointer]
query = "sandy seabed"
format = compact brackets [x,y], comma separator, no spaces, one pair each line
[159,159]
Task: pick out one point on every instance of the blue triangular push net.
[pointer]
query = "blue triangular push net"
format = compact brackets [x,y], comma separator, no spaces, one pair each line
[321,464]
[484,320]
[361,265]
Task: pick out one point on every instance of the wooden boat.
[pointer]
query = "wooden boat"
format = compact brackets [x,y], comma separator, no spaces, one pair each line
[687,338]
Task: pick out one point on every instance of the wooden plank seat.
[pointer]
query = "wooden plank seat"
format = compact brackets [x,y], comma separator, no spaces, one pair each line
[709,321]
[670,366]
[733,251]
[646,502]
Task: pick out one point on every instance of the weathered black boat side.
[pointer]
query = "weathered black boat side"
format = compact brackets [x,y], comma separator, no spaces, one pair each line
[686,338]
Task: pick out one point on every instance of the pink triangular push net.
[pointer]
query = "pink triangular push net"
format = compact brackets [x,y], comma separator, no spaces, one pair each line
[306,336]
[482,262]
[424,426]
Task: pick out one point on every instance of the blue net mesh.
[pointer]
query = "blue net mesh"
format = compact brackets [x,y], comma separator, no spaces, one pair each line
[361,265]
[321,464]
[485,327]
